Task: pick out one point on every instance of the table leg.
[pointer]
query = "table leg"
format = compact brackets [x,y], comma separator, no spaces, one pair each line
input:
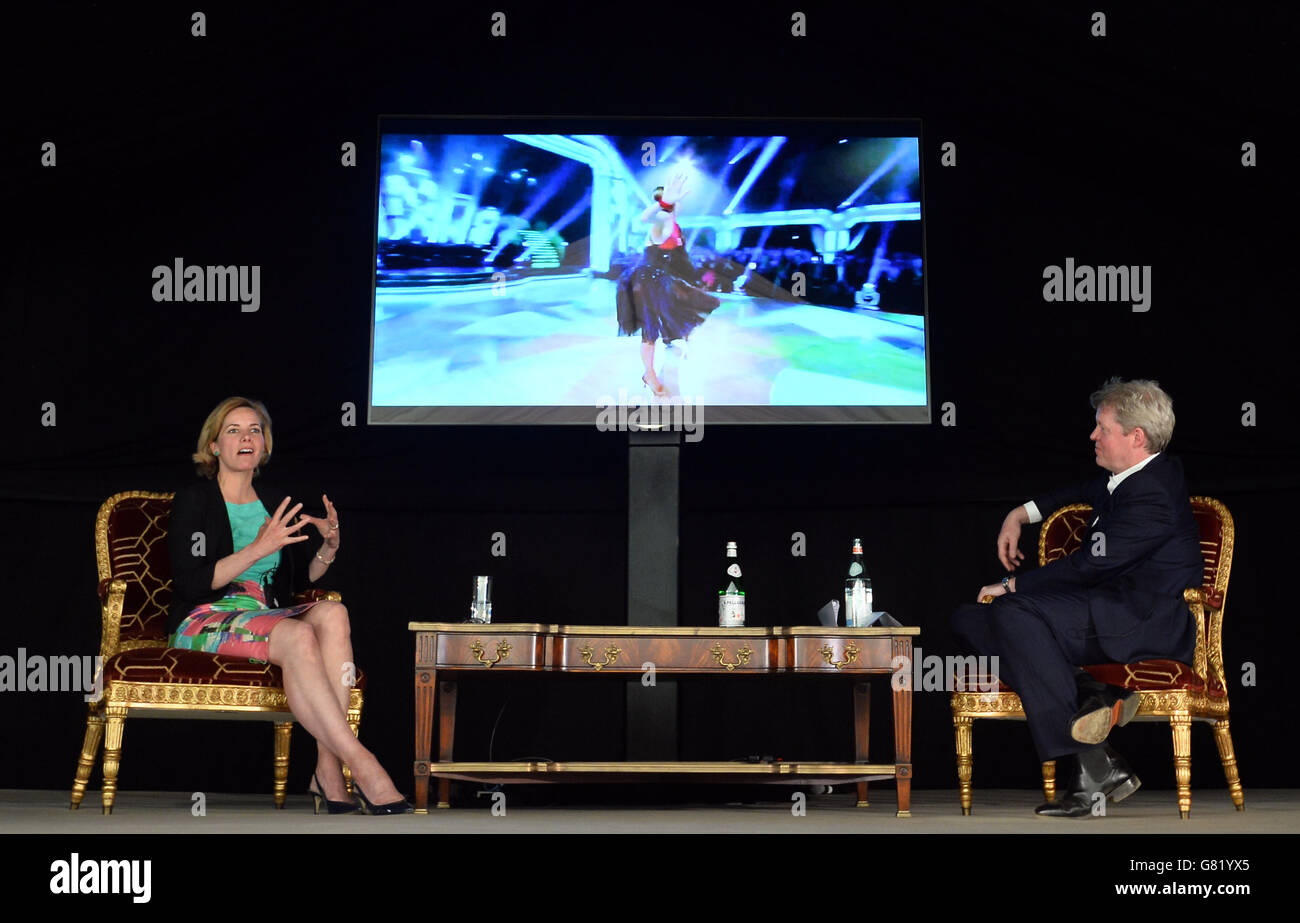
[426,685]
[903,725]
[446,737]
[861,732]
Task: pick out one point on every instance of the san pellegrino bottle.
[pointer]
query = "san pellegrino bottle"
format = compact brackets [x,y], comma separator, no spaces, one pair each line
[731,598]
[857,591]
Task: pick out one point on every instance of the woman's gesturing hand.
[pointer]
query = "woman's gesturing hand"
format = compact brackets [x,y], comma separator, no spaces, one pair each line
[276,531]
[328,527]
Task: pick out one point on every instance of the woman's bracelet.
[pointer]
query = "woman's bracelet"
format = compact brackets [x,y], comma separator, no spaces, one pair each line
[324,560]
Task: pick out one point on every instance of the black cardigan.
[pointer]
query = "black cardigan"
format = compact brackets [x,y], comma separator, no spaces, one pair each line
[200,508]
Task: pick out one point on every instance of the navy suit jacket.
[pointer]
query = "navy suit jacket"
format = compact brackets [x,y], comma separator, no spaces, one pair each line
[200,507]
[1134,575]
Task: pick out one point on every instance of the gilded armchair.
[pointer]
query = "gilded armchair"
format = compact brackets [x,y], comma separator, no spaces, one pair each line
[1177,692]
[142,676]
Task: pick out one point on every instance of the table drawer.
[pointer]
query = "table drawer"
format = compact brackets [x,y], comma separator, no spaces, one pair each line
[810,653]
[490,650]
[631,654]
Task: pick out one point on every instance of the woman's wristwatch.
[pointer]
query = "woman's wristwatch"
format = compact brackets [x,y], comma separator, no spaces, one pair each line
[1006,583]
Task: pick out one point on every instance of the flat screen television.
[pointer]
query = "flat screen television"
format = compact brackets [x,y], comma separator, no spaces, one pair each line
[534,272]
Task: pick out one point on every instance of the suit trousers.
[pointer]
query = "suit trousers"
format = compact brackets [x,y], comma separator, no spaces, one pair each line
[1040,641]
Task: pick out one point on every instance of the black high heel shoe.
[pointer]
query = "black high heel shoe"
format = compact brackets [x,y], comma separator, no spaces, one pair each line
[332,807]
[381,810]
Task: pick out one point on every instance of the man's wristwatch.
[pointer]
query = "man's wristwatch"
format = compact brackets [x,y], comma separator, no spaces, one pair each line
[1006,584]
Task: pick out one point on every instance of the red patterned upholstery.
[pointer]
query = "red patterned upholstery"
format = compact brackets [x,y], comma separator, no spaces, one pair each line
[1211,527]
[1154,676]
[171,665]
[137,552]
[1145,676]
[1063,534]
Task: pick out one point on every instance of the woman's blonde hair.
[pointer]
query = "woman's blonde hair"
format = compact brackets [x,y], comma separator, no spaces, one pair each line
[204,461]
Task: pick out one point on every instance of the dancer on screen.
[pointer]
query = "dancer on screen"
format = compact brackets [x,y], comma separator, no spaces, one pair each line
[657,295]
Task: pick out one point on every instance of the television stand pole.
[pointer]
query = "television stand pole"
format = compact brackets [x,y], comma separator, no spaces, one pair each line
[653,503]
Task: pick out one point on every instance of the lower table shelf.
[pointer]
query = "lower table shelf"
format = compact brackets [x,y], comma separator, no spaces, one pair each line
[768,773]
[780,773]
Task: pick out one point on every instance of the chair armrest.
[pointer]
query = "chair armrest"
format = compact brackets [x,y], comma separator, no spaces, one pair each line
[112,596]
[1212,598]
[318,596]
[110,585]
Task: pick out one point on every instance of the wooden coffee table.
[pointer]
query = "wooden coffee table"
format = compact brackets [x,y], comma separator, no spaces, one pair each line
[446,651]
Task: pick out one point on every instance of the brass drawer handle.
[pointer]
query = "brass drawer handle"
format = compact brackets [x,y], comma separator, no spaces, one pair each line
[611,654]
[850,656]
[742,656]
[503,651]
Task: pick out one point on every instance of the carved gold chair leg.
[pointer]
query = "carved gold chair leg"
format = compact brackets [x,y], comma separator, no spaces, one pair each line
[283,734]
[1049,780]
[964,730]
[115,724]
[1181,725]
[86,762]
[354,722]
[1223,738]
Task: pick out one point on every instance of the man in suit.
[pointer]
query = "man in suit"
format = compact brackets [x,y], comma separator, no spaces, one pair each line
[1118,599]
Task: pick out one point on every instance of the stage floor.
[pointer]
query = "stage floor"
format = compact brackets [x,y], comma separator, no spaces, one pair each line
[553,341]
[1000,811]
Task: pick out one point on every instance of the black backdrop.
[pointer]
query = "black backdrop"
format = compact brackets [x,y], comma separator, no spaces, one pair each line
[225,149]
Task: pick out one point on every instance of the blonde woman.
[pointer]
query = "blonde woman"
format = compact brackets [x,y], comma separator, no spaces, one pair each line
[231,589]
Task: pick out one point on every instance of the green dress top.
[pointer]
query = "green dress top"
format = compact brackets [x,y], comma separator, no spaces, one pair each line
[245,521]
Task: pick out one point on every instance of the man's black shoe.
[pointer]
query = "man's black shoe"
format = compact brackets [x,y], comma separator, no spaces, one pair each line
[1100,712]
[1097,771]
[1075,804]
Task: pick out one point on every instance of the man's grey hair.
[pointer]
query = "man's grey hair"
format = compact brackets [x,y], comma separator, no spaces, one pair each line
[1139,403]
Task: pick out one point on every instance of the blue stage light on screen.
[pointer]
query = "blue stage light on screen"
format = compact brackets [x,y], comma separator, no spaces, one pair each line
[477,156]
[749,146]
[904,148]
[770,149]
